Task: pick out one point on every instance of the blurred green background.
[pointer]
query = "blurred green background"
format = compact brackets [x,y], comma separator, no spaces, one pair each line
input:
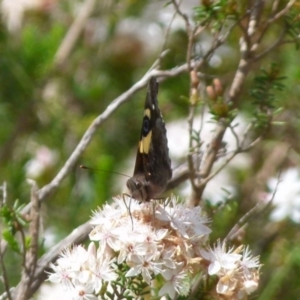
[46,106]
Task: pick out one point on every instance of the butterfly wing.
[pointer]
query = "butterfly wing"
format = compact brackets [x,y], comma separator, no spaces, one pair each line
[153,166]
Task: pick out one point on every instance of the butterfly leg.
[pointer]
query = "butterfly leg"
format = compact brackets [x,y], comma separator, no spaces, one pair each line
[128,207]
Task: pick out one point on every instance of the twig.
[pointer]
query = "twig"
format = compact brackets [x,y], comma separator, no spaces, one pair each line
[5,296]
[241,222]
[237,140]
[190,32]
[166,37]
[215,144]
[216,172]
[179,176]
[5,277]
[246,38]
[272,47]
[252,144]
[23,239]
[3,268]
[34,228]
[184,16]
[196,184]
[275,6]
[3,187]
[257,209]
[156,64]
[239,149]
[32,253]
[229,159]
[209,159]
[282,12]
[245,134]
[240,144]
[74,32]
[256,12]
[274,18]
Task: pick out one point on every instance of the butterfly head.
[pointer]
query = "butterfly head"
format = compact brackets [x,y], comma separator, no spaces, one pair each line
[138,188]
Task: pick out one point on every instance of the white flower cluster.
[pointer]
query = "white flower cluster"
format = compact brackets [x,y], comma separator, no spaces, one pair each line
[238,271]
[165,242]
[83,271]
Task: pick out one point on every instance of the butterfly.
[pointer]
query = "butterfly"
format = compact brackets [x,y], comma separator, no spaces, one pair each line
[152,166]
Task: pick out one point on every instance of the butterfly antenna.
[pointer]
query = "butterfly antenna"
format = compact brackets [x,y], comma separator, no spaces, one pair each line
[94,169]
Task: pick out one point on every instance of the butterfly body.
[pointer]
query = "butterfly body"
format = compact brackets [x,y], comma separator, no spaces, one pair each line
[153,166]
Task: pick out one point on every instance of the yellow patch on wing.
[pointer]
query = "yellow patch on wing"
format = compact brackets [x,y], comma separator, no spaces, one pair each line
[145,143]
[147,113]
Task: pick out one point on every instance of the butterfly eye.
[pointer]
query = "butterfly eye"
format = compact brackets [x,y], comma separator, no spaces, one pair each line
[146,126]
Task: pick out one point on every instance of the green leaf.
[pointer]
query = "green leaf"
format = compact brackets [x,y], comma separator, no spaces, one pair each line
[11,240]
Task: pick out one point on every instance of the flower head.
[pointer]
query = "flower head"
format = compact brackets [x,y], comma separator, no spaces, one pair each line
[238,273]
[163,242]
[220,259]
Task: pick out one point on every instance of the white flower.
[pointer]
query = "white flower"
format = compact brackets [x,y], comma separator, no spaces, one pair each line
[177,281]
[250,286]
[102,269]
[128,248]
[69,266]
[83,292]
[189,222]
[75,257]
[111,213]
[248,262]
[227,283]
[153,240]
[143,265]
[87,274]
[105,235]
[195,221]
[167,257]
[220,259]
[62,274]
[238,276]
[140,240]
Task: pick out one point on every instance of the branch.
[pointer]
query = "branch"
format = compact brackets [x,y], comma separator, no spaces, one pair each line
[179,176]
[272,47]
[252,213]
[78,236]
[255,16]
[198,187]
[190,33]
[74,32]
[209,160]
[2,264]
[3,188]
[4,274]
[282,12]
[275,17]
[32,253]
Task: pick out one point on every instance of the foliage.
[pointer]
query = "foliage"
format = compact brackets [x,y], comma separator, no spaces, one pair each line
[264,97]
[47,104]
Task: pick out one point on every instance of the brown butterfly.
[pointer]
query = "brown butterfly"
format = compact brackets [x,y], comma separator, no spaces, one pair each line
[153,166]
